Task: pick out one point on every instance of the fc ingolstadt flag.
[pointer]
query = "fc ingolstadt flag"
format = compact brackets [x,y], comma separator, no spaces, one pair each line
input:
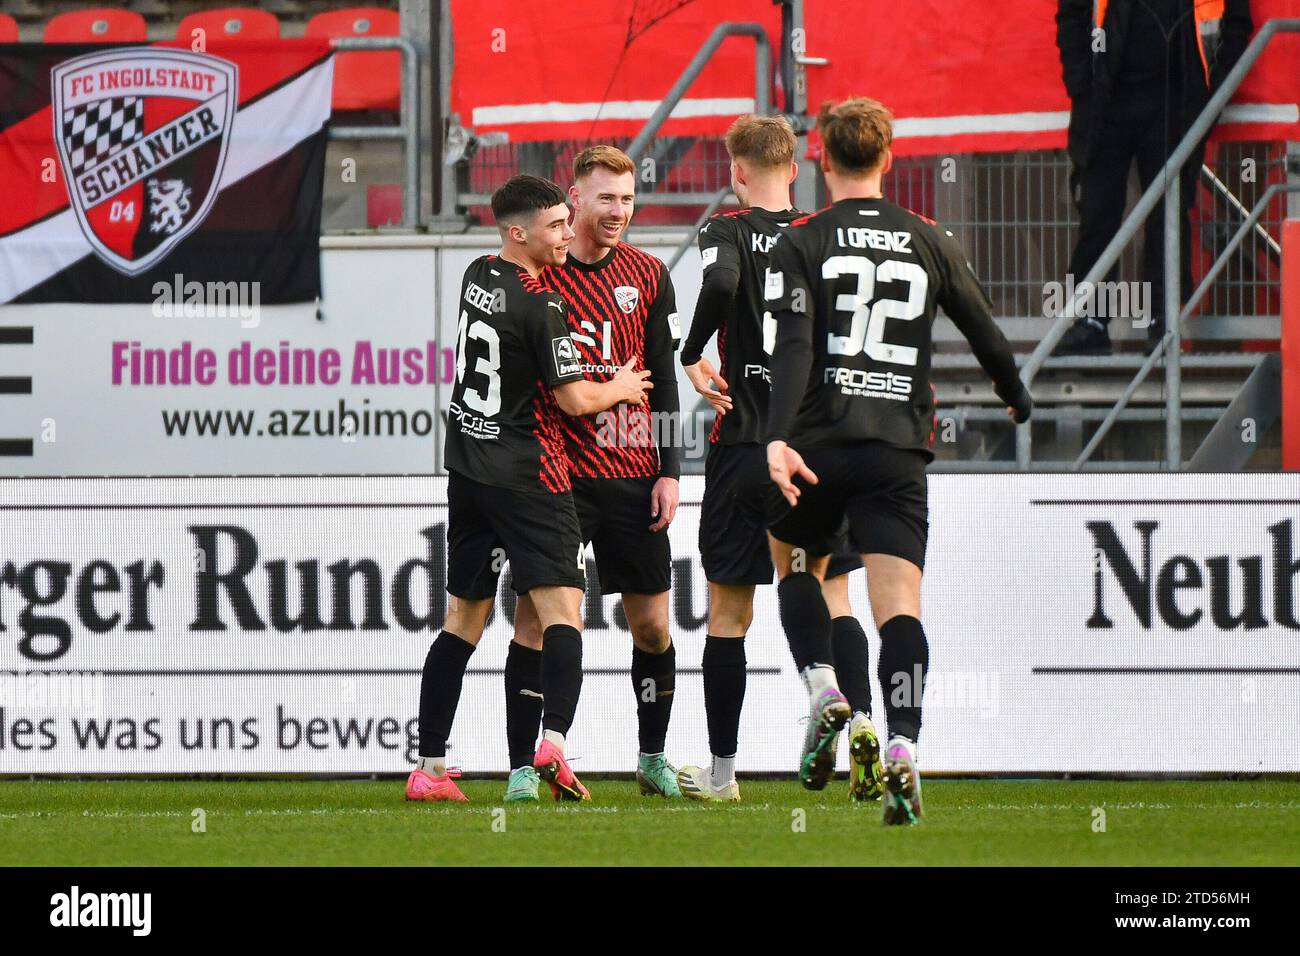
[123,166]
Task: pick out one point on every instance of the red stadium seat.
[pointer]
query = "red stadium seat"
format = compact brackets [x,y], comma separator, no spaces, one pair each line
[383,205]
[8,29]
[230,23]
[97,25]
[362,81]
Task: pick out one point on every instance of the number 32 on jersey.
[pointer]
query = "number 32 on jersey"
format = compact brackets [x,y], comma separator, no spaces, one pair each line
[868,313]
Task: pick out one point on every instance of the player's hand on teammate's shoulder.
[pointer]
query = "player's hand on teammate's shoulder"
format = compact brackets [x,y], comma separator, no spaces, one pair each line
[663,503]
[633,383]
[783,464]
[708,383]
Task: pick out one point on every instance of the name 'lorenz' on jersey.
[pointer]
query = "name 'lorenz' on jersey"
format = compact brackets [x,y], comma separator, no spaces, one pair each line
[862,237]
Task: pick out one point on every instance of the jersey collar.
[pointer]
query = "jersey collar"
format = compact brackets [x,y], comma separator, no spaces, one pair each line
[594,266]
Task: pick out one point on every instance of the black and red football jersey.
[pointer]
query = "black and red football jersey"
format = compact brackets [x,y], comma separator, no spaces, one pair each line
[738,242]
[512,349]
[861,282]
[620,308]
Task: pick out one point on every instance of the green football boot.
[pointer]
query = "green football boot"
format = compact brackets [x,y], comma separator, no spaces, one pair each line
[865,772]
[657,777]
[522,786]
[902,784]
[829,713]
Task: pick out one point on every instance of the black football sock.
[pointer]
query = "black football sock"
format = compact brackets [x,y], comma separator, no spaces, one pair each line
[523,702]
[724,692]
[806,620]
[904,661]
[561,676]
[852,662]
[653,677]
[444,671]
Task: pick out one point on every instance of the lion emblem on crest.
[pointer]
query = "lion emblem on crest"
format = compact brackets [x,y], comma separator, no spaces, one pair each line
[169,204]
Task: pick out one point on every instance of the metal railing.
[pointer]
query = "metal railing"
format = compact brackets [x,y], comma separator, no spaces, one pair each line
[762,78]
[699,168]
[714,204]
[1168,184]
[1014,215]
[407,129]
[1173,451]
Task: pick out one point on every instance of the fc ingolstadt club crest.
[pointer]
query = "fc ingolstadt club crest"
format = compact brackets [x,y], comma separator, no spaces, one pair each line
[142,135]
[626,296]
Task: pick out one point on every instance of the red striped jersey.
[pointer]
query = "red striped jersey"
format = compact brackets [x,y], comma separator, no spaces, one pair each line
[512,349]
[619,308]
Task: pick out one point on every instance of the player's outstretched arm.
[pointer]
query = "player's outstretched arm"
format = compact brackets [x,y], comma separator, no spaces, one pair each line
[717,294]
[709,383]
[964,302]
[792,362]
[718,253]
[588,398]
[662,336]
[720,259]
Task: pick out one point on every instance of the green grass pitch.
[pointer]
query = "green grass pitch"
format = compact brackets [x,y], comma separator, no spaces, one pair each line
[968,822]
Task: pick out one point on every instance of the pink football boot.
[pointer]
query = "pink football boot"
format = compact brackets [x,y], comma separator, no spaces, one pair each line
[424,786]
[551,766]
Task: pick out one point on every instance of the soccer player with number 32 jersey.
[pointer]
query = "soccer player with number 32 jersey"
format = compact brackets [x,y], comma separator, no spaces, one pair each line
[854,290]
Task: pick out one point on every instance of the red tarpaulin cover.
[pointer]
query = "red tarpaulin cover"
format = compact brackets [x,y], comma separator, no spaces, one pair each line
[959,76]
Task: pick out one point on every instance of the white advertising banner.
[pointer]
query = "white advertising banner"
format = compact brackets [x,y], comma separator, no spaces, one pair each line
[208,381]
[1116,623]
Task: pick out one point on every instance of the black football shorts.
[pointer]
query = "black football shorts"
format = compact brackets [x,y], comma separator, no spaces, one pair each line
[536,531]
[733,519]
[614,514]
[878,490]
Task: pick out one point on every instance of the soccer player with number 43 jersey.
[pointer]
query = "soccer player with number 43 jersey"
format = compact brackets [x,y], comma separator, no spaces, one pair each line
[508,486]
[854,290]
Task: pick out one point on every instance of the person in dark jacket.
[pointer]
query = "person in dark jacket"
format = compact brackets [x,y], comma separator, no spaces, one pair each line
[1138,73]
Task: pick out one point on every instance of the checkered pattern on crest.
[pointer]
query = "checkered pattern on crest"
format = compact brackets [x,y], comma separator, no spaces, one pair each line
[96,131]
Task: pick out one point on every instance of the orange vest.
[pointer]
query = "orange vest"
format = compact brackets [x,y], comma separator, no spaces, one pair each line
[1208,14]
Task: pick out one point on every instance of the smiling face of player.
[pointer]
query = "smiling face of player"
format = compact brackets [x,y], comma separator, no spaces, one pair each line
[603,202]
[545,239]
